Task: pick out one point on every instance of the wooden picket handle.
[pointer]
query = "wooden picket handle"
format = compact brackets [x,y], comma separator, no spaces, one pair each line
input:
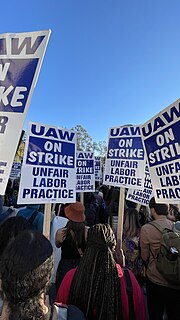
[47,220]
[82,197]
[119,251]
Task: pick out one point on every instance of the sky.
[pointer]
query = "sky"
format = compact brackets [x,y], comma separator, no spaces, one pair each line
[108,63]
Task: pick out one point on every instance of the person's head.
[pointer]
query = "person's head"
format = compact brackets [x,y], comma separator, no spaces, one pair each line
[158,209]
[89,197]
[115,195]
[25,268]
[174,212]
[131,223]
[10,228]
[144,215]
[75,214]
[96,286]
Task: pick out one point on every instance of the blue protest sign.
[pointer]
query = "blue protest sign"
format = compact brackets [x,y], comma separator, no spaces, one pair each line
[85,175]
[161,137]
[21,57]
[98,169]
[49,166]
[142,196]
[125,160]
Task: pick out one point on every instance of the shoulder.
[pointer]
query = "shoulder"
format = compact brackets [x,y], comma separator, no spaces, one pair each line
[63,291]
[146,229]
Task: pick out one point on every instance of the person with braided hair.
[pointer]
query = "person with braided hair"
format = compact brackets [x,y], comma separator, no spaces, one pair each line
[97,286]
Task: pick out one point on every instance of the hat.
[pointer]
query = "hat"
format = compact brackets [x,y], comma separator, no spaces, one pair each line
[75,212]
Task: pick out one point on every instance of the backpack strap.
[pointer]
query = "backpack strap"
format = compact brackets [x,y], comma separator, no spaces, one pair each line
[129,291]
[79,249]
[59,312]
[33,217]
[153,223]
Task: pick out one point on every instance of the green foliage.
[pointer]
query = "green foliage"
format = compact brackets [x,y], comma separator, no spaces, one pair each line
[86,143]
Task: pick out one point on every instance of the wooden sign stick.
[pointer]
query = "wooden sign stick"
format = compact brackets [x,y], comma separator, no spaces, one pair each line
[82,197]
[47,220]
[119,252]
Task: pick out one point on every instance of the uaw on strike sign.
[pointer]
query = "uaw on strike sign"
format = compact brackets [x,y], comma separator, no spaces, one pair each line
[49,166]
[161,137]
[85,172]
[21,57]
[142,196]
[125,161]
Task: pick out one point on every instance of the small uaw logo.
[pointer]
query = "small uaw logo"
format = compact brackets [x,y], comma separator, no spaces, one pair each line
[16,75]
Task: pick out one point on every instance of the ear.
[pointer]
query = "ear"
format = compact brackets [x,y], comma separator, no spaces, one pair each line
[153,212]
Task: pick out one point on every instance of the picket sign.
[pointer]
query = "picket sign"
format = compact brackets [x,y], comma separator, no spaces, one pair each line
[47,220]
[82,197]
[119,252]
[120,216]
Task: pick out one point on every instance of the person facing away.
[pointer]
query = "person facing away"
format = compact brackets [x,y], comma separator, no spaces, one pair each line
[97,286]
[131,245]
[29,211]
[26,266]
[9,229]
[71,239]
[91,204]
[160,294]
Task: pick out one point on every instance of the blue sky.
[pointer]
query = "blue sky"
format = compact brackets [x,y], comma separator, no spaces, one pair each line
[108,62]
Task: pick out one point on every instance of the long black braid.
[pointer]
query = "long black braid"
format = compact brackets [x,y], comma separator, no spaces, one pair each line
[95,288]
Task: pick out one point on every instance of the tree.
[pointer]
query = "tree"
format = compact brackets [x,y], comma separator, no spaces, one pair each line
[86,143]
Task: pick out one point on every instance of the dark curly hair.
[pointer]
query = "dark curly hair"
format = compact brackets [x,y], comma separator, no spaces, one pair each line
[95,287]
[25,268]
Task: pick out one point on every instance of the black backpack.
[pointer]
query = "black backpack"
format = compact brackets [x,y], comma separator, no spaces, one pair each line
[129,291]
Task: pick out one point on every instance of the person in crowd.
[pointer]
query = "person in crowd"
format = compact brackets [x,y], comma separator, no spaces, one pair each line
[104,189]
[144,215]
[102,215]
[131,245]
[33,209]
[91,204]
[97,286]
[160,294]
[112,209]
[71,239]
[5,212]
[8,194]
[174,213]
[25,278]
[9,229]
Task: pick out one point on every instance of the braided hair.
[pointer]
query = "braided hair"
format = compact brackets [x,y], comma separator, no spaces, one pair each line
[95,287]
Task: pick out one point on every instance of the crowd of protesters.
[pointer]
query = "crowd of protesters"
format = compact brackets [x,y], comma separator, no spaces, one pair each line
[88,279]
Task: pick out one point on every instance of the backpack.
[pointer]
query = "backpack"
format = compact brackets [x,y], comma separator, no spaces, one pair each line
[133,260]
[64,312]
[168,259]
[129,291]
